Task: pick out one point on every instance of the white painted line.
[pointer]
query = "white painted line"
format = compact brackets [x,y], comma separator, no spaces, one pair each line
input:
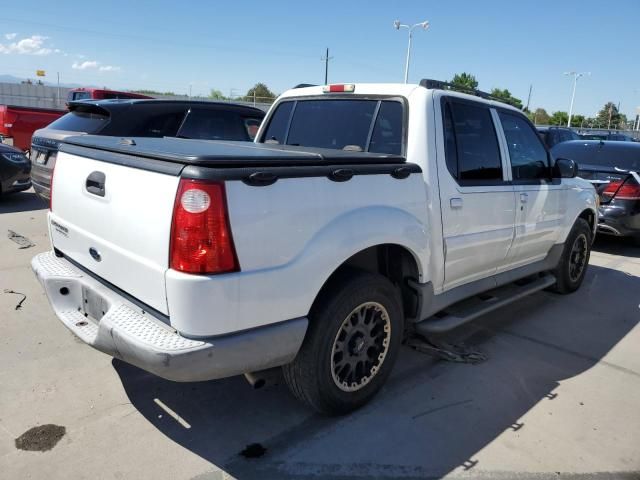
[176,417]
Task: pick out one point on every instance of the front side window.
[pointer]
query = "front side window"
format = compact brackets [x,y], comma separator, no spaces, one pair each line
[471,145]
[528,156]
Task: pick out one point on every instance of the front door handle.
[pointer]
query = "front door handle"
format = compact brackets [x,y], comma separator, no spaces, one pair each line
[524,197]
[455,202]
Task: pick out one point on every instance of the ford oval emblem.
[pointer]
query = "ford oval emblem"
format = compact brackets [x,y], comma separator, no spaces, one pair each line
[95,254]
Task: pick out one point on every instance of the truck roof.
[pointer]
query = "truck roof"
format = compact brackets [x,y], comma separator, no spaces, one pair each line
[390,89]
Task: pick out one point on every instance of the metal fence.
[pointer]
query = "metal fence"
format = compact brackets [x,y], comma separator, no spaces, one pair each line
[44,96]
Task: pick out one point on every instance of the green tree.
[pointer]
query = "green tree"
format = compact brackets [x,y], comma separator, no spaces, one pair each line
[261,93]
[464,81]
[559,118]
[217,94]
[539,116]
[578,120]
[506,97]
[610,110]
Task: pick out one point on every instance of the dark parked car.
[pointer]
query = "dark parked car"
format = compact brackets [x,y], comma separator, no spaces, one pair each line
[140,118]
[613,169]
[14,170]
[614,137]
[553,135]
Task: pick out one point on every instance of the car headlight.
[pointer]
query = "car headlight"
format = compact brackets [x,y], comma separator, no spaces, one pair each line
[15,157]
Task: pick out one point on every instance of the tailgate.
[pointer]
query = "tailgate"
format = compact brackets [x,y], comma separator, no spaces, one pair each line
[123,236]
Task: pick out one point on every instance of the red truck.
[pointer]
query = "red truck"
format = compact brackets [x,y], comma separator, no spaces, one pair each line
[17,124]
[100,94]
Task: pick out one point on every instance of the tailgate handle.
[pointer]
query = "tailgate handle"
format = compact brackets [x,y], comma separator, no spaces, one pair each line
[95,183]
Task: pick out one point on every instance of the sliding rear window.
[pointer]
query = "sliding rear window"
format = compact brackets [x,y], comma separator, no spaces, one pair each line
[81,120]
[360,125]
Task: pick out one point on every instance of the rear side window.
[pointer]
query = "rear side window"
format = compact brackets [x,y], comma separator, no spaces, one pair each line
[277,131]
[340,124]
[471,145]
[80,95]
[205,124]
[81,121]
[528,155]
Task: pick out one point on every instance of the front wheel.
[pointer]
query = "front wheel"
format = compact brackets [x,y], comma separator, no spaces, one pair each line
[355,332]
[573,263]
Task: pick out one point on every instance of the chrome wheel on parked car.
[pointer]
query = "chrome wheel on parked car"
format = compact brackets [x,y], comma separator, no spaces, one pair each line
[360,346]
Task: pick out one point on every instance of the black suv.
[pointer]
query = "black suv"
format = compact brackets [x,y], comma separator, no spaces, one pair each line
[552,136]
[140,118]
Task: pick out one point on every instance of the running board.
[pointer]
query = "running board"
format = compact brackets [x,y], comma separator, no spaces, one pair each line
[474,307]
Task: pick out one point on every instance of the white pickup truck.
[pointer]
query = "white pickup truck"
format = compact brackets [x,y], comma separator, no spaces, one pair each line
[362,214]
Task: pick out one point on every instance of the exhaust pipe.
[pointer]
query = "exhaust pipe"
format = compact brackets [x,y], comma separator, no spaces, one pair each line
[263,378]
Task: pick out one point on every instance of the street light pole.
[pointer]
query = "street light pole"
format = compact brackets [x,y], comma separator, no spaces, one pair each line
[576,76]
[397,25]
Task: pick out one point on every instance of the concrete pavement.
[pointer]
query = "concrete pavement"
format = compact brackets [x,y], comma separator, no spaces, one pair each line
[559,395]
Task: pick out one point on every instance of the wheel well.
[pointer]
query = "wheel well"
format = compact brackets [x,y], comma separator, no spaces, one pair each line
[590,217]
[394,262]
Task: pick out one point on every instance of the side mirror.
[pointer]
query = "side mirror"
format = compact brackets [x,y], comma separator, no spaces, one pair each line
[565,168]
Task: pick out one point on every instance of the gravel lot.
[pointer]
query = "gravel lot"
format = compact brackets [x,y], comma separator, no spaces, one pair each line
[559,395]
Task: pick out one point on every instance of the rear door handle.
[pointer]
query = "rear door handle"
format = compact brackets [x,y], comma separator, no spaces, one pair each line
[455,202]
[524,197]
[95,183]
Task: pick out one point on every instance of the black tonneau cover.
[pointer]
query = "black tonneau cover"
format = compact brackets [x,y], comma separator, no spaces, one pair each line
[214,153]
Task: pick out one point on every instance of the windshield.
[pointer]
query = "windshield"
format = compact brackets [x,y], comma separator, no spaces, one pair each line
[341,124]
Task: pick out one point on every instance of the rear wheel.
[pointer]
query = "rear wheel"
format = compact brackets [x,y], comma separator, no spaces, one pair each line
[573,263]
[355,331]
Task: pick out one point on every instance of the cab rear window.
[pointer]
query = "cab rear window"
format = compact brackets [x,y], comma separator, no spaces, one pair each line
[359,125]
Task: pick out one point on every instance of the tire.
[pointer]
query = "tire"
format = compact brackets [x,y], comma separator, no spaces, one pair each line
[574,261]
[322,375]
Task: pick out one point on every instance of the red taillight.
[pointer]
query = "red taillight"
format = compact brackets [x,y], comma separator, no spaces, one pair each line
[342,88]
[201,239]
[623,190]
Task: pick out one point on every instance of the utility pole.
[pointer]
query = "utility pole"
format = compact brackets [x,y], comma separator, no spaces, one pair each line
[529,98]
[326,59]
[58,90]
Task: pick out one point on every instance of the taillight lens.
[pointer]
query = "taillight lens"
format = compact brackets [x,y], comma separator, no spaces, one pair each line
[623,190]
[201,240]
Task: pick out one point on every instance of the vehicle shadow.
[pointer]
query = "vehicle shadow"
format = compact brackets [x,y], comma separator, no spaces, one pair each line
[431,418]
[21,202]
[617,246]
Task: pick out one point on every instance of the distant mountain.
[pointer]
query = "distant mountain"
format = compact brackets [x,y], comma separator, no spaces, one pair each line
[12,79]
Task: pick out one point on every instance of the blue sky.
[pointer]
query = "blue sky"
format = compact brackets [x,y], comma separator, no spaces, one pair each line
[164,45]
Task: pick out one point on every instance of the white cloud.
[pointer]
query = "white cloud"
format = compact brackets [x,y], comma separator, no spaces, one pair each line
[85,65]
[94,64]
[10,36]
[33,45]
